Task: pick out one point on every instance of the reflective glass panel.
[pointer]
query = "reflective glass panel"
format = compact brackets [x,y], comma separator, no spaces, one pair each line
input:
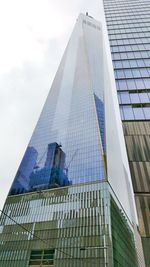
[147,112]
[135,98]
[139,114]
[128,113]
[131,84]
[139,84]
[147,83]
[122,84]
[125,99]
[144,97]
[67,146]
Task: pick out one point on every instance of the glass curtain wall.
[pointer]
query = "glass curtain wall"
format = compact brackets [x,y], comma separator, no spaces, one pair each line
[128,24]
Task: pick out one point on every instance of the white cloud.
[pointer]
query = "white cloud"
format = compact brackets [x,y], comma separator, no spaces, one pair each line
[22,24]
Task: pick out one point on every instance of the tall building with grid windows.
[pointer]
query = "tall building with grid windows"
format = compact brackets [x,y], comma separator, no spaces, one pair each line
[72,203]
[128,25]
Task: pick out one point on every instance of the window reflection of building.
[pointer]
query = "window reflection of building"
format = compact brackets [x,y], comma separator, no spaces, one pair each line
[53,173]
[21,182]
[101,120]
[31,177]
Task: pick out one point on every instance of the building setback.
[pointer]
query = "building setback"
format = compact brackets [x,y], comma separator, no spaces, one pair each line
[71,203]
[128,24]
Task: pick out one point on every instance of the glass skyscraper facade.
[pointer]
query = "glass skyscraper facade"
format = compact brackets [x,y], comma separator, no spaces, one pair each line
[71,202]
[129,35]
[128,24]
[68,141]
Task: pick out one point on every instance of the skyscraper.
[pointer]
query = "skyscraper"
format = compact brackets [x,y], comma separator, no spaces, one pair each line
[71,202]
[128,27]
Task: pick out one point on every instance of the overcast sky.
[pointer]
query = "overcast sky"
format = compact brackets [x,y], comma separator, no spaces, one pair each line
[33,36]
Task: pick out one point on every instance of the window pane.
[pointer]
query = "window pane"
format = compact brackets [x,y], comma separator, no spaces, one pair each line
[136,73]
[119,73]
[147,112]
[123,55]
[125,64]
[144,73]
[147,83]
[125,99]
[128,73]
[137,54]
[116,56]
[128,48]
[133,63]
[144,54]
[139,114]
[144,98]
[134,98]
[115,49]
[118,64]
[140,63]
[147,62]
[131,84]
[128,113]
[139,84]
[122,84]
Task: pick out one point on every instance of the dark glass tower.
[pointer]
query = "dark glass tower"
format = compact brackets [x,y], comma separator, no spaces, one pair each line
[128,24]
[71,203]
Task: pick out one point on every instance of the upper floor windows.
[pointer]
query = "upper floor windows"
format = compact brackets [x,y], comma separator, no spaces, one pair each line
[135,113]
[131,41]
[133,98]
[128,48]
[131,63]
[131,55]
[133,84]
[132,73]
